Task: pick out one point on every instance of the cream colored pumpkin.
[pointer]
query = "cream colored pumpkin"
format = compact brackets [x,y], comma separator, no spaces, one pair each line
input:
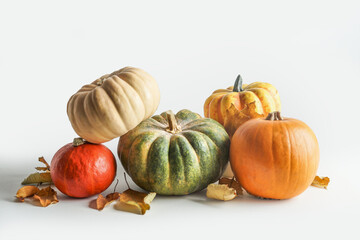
[113,104]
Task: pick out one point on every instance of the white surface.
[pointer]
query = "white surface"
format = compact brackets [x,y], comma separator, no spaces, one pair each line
[309,50]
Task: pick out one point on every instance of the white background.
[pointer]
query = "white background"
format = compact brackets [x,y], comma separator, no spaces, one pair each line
[308,49]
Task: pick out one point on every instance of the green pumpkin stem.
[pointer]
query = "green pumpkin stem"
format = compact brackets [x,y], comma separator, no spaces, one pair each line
[238,84]
[274,116]
[78,141]
[173,126]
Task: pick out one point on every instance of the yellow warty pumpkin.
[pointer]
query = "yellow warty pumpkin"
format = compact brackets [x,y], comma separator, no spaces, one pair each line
[113,104]
[235,105]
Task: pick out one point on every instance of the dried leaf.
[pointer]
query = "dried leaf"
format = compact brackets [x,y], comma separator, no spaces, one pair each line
[134,201]
[321,182]
[41,168]
[112,196]
[238,117]
[26,191]
[38,178]
[47,166]
[232,183]
[46,196]
[102,202]
[220,192]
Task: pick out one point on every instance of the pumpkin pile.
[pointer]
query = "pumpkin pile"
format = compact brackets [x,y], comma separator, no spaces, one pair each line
[178,154]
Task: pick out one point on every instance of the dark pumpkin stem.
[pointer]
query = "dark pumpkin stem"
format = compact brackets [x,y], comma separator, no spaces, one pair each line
[117,182]
[274,116]
[173,126]
[278,115]
[238,84]
[78,141]
[100,82]
[126,181]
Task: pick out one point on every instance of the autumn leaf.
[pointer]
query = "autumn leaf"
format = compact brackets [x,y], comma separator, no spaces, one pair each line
[220,192]
[102,202]
[320,182]
[112,196]
[38,178]
[26,191]
[232,183]
[134,201]
[47,166]
[238,117]
[46,196]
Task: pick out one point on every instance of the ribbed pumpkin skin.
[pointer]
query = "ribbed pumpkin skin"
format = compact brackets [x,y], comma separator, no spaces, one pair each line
[264,95]
[113,104]
[175,163]
[274,159]
[84,170]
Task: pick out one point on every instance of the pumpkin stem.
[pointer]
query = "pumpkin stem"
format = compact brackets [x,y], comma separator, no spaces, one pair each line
[126,181]
[173,126]
[117,182]
[238,84]
[78,141]
[278,115]
[274,116]
[100,82]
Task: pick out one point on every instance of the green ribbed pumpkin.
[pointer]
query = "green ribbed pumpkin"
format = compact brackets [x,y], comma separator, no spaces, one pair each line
[175,154]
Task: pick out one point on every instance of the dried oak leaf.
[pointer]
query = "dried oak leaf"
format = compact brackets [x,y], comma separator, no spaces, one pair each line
[232,183]
[38,178]
[238,117]
[46,196]
[320,182]
[102,202]
[134,201]
[220,192]
[26,191]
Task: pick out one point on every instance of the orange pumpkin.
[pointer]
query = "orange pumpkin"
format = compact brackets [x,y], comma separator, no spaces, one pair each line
[274,157]
[233,106]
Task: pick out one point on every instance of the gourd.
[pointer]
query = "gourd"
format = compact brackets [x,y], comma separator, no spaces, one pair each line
[113,104]
[81,169]
[175,154]
[233,106]
[274,157]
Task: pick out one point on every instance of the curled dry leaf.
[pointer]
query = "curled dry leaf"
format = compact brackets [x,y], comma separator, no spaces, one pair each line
[240,116]
[102,202]
[38,178]
[47,166]
[134,201]
[232,183]
[320,182]
[220,192]
[26,191]
[46,196]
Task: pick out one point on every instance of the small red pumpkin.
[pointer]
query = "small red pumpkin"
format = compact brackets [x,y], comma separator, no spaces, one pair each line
[81,169]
